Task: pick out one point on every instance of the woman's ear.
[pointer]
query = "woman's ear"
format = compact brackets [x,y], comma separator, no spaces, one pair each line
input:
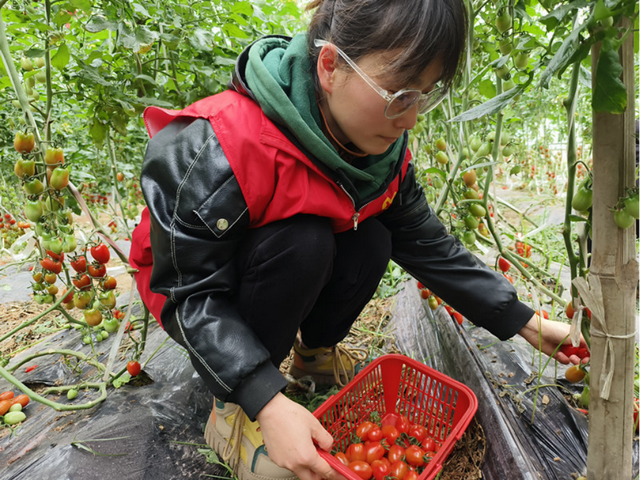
[326,67]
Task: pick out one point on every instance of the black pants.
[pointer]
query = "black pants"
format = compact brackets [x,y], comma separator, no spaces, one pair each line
[297,274]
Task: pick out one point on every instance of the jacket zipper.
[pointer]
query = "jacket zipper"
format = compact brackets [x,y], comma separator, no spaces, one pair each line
[356,214]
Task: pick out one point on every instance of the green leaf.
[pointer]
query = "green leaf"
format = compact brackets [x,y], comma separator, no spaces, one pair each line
[561,59]
[84,5]
[242,8]
[610,94]
[62,17]
[61,57]
[121,380]
[155,102]
[491,106]
[232,30]
[554,18]
[437,171]
[97,24]
[146,78]
[140,9]
[34,52]
[202,40]
[576,218]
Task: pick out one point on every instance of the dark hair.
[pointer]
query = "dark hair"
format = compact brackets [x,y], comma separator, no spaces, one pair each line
[422,29]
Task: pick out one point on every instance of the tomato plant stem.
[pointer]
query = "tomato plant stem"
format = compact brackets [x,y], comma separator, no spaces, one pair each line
[64,352]
[56,406]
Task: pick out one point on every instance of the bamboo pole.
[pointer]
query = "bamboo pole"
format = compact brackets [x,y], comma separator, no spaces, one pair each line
[614,264]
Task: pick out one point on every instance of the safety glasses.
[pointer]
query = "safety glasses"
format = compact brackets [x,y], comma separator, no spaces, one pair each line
[401,101]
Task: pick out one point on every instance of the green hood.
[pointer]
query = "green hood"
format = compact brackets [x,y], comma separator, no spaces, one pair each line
[278,74]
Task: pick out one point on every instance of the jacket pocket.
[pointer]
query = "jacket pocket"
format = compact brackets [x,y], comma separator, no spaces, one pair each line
[224,209]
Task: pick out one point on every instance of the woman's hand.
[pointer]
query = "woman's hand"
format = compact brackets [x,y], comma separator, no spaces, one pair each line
[289,431]
[546,335]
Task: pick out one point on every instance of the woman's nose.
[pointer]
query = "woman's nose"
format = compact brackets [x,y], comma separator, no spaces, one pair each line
[408,119]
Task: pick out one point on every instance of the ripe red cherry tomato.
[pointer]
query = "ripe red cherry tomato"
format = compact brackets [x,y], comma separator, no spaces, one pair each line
[374,451]
[133,368]
[361,469]
[380,469]
[363,429]
[342,458]
[356,452]
[390,433]
[428,444]
[398,470]
[396,453]
[100,253]
[375,434]
[414,456]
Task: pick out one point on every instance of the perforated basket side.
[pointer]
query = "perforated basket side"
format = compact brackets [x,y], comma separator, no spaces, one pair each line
[396,383]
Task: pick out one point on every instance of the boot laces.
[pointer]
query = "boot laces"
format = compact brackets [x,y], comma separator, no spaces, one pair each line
[231,453]
[345,361]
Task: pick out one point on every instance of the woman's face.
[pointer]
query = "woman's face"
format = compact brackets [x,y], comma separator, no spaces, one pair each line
[355,111]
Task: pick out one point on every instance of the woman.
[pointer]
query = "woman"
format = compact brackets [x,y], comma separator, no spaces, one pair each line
[274,208]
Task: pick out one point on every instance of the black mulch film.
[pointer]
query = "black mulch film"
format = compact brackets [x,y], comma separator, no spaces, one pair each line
[554,445]
[155,431]
[138,427]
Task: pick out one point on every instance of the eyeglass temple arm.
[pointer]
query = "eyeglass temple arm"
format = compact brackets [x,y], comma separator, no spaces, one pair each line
[383,93]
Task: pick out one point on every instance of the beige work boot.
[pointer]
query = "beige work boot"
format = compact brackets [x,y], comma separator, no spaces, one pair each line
[327,365]
[248,458]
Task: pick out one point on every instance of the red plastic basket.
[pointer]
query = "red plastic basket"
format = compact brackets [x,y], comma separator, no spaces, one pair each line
[396,383]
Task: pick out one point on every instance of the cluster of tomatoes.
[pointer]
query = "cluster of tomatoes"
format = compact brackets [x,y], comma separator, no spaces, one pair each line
[11,408]
[435,301]
[393,447]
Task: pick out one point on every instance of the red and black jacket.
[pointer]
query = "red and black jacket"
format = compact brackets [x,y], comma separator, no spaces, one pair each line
[220,167]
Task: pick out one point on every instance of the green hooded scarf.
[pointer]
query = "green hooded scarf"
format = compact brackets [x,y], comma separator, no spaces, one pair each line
[278,72]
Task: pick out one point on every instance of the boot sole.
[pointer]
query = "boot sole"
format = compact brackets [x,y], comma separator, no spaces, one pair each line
[218,443]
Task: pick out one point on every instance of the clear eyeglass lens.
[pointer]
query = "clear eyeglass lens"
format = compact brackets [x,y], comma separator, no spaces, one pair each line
[431,100]
[406,100]
[402,103]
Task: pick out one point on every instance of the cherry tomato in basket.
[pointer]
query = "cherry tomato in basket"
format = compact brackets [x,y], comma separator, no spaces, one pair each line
[342,458]
[363,429]
[375,434]
[398,470]
[414,456]
[428,444]
[374,451]
[411,475]
[361,469]
[396,453]
[390,433]
[380,469]
[418,432]
[397,420]
[355,452]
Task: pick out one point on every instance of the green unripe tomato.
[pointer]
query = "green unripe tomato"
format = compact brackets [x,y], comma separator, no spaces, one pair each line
[71,394]
[631,206]
[583,199]
[471,222]
[477,210]
[13,418]
[16,407]
[442,158]
[623,219]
